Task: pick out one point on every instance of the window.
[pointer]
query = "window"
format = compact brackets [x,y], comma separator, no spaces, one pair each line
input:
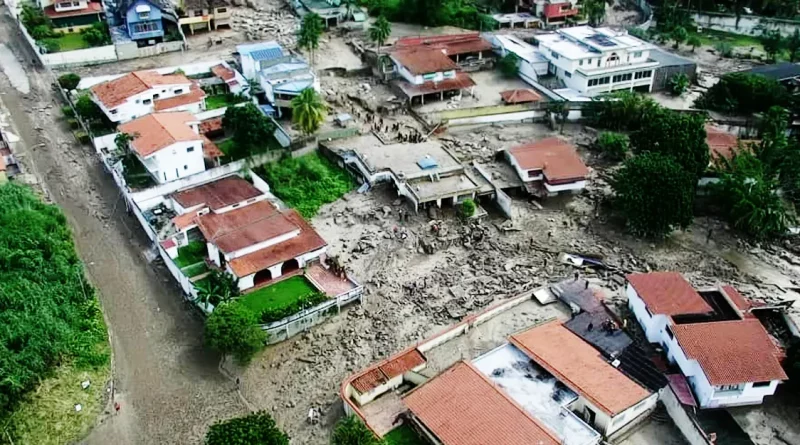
[235,205]
[70,29]
[76,3]
[761,384]
[728,388]
[622,77]
[598,62]
[190,149]
[163,91]
[534,173]
[144,15]
[145,27]
[581,63]
[113,111]
[186,167]
[555,55]
[567,74]
[637,54]
[669,333]
[592,82]
[155,96]
[613,58]
[147,101]
[643,74]
[65,4]
[221,10]
[179,91]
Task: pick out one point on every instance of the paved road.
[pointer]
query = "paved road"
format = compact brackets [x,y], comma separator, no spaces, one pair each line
[168,385]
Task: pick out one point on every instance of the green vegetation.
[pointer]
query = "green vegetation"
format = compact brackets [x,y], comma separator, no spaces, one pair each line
[192,253]
[283,298]
[403,435]
[679,35]
[351,431]
[253,429]
[195,270]
[509,65]
[69,81]
[310,32]
[679,135]
[594,11]
[467,208]
[307,182]
[694,41]
[40,27]
[614,146]
[218,287]
[224,100]
[623,111]
[97,34]
[53,331]
[232,330]
[744,93]
[460,13]
[134,173]
[308,111]
[654,194]
[67,111]
[678,84]
[380,31]
[251,130]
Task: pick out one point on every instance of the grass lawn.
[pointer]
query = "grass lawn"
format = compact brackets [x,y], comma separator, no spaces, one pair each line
[279,295]
[403,435]
[191,254]
[711,37]
[226,146]
[71,42]
[195,270]
[221,100]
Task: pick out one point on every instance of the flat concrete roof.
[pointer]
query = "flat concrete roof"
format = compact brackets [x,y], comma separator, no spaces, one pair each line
[445,187]
[400,158]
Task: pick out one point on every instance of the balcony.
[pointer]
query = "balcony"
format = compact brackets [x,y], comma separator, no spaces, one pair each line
[147,34]
[197,19]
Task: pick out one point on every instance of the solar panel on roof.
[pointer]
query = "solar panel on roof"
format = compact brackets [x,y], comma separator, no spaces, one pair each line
[267,54]
[427,162]
[602,40]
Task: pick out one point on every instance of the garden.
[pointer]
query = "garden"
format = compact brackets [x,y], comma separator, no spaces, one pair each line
[41,29]
[223,100]
[283,298]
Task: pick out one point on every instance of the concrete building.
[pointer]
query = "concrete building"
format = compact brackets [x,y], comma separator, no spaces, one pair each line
[598,60]
[203,14]
[168,145]
[548,167]
[723,351]
[74,15]
[254,56]
[428,72]
[142,92]
[469,50]
[555,13]
[145,20]
[532,63]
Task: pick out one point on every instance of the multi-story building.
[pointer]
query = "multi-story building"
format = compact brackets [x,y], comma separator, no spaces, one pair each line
[555,12]
[72,15]
[548,167]
[141,92]
[203,14]
[144,19]
[598,60]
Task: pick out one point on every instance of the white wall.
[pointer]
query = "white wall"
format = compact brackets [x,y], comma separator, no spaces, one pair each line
[248,67]
[570,186]
[748,24]
[175,162]
[135,105]
[653,325]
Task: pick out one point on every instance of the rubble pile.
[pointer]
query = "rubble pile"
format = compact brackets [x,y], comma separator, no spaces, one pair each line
[261,23]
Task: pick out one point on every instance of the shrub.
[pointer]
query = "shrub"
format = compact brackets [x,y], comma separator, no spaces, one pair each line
[467,208]
[678,84]
[724,49]
[744,93]
[304,302]
[255,428]
[49,45]
[67,111]
[82,137]
[620,111]
[87,109]
[614,146]
[509,65]
[73,124]
[351,431]
[97,35]
[231,330]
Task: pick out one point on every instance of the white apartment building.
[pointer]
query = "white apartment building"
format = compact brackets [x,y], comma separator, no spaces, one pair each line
[142,92]
[598,60]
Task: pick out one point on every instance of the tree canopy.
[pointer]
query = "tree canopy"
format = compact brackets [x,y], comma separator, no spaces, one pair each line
[679,135]
[744,93]
[308,111]
[310,32]
[218,287]
[621,111]
[69,81]
[257,428]
[380,31]
[251,130]
[614,146]
[595,11]
[232,330]
[509,65]
[351,431]
[654,194]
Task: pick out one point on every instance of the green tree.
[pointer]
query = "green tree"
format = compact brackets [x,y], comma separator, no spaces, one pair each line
[679,135]
[219,287]
[69,81]
[654,194]
[679,35]
[724,49]
[773,43]
[621,111]
[509,65]
[349,6]
[771,150]
[351,431]
[33,17]
[308,111]
[380,31]
[123,141]
[559,110]
[232,330]
[595,11]
[88,109]
[310,32]
[678,84]
[614,146]
[467,208]
[744,93]
[694,42]
[750,199]
[42,32]
[97,34]
[251,130]
[793,45]
[257,428]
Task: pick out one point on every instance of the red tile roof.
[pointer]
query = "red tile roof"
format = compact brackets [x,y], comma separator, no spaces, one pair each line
[91,8]
[451,44]
[424,61]
[461,406]
[245,226]
[558,160]
[210,149]
[739,300]
[731,352]
[213,124]
[460,82]
[117,91]
[381,374]
[681,389]
[223,72]
[156,131]
[183,221]
[580,366]
[217,194]
[668,293]
[307,241]
[194,96]
[521,96]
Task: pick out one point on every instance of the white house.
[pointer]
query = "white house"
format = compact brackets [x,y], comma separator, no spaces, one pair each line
[255,56]
[532,63]
[142,92]
[168,144]
[428,71]
[285,78]
[598,60]
[726,354]
[548,167]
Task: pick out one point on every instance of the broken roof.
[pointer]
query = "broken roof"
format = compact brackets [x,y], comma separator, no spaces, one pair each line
[156,131]
[731,352]
[424,61]
[245,226]
[668,293]
[579,366]
[558,160]
[217,194]
[308,240]
[117,91]
[520,96]
[394,367]
[461,406]
[223,72]
[459,82]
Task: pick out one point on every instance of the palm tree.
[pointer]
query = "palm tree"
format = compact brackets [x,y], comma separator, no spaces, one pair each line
[349,5]
[595,11]
[123,141]
[310,33]
[219,287]
[380,31]
[308,111]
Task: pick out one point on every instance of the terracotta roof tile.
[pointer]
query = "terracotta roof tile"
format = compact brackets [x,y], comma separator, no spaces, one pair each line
[223,72]
[558,160]
[369,381]
[117,91]
[520,96]
[739,300]
[194,95]
[92,8]
[159,130]
[307,241]
[461,406]
[460,82]
[451,44]
[213,124]
[402,364]
[731,352]
[218,194]
[668,293]
[245,226]
[580,366]
[210,149]
[424,61]
[183,221]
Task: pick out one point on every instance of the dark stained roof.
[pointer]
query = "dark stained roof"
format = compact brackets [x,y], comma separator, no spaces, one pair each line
[610,343]
[777,71]
[218,194]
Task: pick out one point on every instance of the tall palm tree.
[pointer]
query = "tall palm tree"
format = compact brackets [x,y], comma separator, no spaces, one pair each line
[220,287]
[349,5]
[380,31]
[308,110]
[310,33]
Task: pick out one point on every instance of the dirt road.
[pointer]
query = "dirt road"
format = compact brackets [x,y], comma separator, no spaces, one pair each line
[168,385]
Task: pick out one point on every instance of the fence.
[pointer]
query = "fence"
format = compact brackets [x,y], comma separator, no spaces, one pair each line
[747,24]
